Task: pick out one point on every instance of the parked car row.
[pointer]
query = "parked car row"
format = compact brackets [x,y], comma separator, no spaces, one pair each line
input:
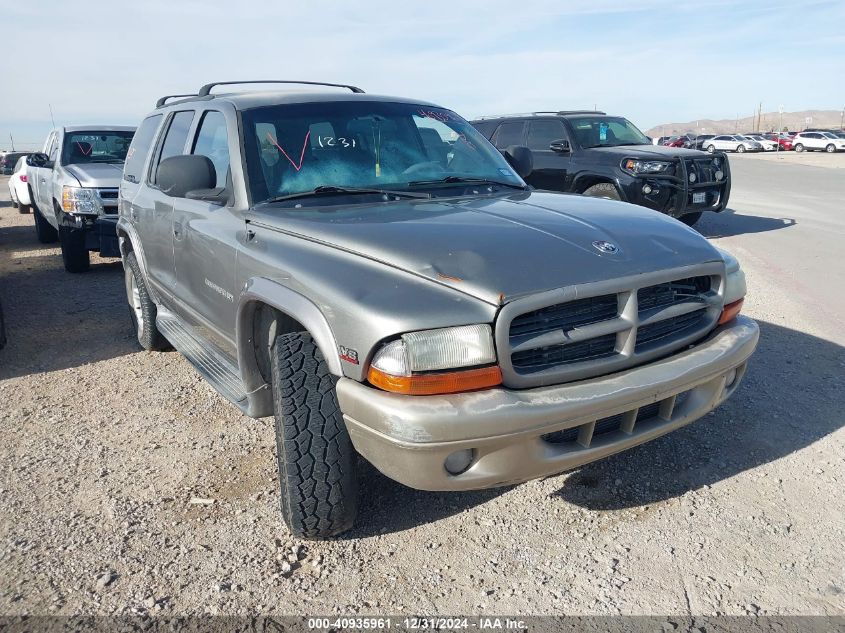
[808,140]
[382,279]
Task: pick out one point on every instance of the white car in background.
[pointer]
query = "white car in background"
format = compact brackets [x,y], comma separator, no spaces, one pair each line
[732,143]
[768,145]
[19,188]
[826,141]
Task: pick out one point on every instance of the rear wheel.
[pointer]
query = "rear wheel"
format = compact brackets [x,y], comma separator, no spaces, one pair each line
[603,190]
[319,489]
[44,231]
[830,148]
[799,147]
[74,254]
[142,309]
[690,218]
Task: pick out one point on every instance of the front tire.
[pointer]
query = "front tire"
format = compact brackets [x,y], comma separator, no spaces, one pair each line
[44,231]
[711,149]
[799,147]
[740,149]
[74,254]
[318,485]
[142,309]
[603,190]
[830,149]
[23,209]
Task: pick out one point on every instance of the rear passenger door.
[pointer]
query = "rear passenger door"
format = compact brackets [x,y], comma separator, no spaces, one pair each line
[155,211]
[205,240]
[550,167]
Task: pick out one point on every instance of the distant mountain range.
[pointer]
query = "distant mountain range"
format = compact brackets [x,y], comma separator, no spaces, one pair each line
[769,121]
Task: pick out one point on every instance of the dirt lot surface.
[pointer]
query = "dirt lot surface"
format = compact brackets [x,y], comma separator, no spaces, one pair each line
[129,486]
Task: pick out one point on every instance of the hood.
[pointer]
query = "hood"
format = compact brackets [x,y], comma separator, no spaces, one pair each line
[649,151]
[501,248]
[96,174]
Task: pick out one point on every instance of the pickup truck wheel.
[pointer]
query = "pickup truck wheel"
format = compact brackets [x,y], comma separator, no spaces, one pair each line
[43,229]
[23,208]
[319,489]
[603,190]
[74,253]
[142,310]
[690,218]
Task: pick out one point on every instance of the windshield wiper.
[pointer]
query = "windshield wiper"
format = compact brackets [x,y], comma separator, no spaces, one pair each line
[466,181]
[323,190]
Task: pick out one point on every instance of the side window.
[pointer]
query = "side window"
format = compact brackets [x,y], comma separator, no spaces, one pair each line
[542,133]
[485,127]
[140,147]
[213,142]
[509,133]
[175,138]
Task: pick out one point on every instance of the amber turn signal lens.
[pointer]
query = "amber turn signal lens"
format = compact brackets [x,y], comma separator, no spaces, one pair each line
[730,311]
[432,384]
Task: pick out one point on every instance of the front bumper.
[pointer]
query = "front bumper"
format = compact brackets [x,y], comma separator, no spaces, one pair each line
[100,231]
[408,438]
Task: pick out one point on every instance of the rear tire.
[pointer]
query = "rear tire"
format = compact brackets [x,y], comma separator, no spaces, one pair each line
[691,218]
[798,147]
[830,149]
[45,231]
[142,309]
[74,254]
[318,486]
[602,190]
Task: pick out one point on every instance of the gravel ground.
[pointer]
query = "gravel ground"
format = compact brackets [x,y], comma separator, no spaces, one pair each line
[129,487]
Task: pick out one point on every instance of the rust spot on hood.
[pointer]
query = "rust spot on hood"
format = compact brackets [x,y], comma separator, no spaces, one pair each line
[449,277]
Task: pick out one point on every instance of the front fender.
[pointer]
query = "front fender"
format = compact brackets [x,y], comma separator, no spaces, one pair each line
[260,291]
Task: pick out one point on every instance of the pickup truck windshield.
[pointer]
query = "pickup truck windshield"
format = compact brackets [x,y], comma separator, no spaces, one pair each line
[297,148]
[95,147]
[607,131]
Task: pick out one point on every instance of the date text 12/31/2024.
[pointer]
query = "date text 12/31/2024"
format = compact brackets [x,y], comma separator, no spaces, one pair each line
[417,623]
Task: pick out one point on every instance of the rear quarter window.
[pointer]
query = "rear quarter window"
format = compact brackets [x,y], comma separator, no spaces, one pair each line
[140,148]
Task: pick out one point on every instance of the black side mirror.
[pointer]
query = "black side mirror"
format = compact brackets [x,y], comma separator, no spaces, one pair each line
[37,159]
[520,159]
[178,175]
[560,145]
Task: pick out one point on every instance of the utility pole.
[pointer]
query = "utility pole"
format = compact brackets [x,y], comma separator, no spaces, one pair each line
[842,119]
[13,141]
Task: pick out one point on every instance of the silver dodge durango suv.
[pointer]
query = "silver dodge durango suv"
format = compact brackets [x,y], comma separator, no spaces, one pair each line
[375,274]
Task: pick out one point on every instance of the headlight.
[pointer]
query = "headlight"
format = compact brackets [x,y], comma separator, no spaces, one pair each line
[78,200]
[415,363]
[734,278]
[634,166]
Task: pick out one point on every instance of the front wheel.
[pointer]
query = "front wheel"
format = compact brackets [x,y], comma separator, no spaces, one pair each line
[740,149]
[74,254]
[798,147]
[319,489]
[23,208]
[711,149]
[603,190]
[830,148]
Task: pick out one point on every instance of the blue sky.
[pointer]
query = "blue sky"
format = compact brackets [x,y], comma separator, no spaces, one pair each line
[653,61]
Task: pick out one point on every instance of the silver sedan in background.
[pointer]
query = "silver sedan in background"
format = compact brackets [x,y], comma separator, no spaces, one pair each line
[732,143]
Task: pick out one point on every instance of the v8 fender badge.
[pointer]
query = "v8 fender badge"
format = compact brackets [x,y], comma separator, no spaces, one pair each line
[348,354]
[605,247]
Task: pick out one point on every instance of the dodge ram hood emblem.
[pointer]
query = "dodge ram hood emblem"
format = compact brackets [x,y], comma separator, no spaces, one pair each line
[605,247]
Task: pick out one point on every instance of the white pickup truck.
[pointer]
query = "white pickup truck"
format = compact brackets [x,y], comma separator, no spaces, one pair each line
[73,184]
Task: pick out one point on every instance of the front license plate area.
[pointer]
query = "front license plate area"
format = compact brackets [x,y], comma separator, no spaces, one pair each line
[699,197]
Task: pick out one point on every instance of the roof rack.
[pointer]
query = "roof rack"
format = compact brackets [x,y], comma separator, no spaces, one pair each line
[164,99]
[539,113]
[206,89]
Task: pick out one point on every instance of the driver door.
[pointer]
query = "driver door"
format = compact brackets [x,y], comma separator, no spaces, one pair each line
[550,166]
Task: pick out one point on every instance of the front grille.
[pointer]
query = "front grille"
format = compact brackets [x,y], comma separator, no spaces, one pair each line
[108,194]
[672,293]
[663,408]
[110,209]
[704,169]
[618,324]
[566,316]
[544,357]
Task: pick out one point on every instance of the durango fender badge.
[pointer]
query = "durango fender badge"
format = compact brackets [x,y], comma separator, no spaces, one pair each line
[349,355]
[605,247]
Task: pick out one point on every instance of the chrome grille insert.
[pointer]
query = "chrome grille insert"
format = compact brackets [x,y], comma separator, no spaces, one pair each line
[593,329]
